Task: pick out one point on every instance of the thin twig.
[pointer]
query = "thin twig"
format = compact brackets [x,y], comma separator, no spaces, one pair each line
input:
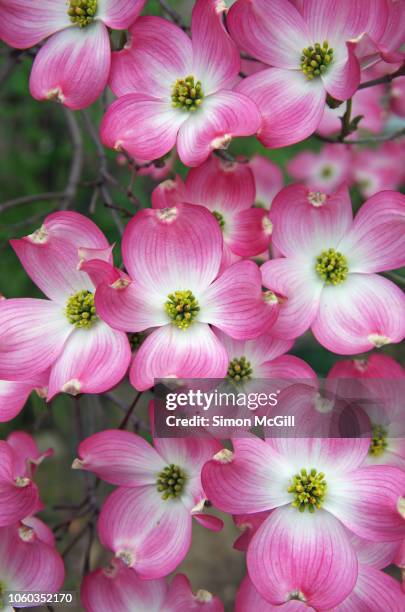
[29,199]
[228,157]
[115,400]
[75,540]
[172,13]
[13,58]
[130,410]
[362,141]
[93,202]
[249,58]
[12,227]
[76,166]
[103,171]
[387,78]
[86,562]
[134,165]
[136,422]
[350,125]
[73,507]
[346,122]
[91,484]
[109,202]
[123,211]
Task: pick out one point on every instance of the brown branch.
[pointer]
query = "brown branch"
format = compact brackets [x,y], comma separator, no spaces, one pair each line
[91,483]
[346,120]
[172,13]
[362,141]
[75,540]
[137,423]
[86,562]
[13,58]
[130,410]
[225,155]
[34,219]
[76,166]
[106,177]
[387,78]
[228,157]
[134,165]
[350,125]
[245,56]
[30,199]
[124,212]
[103,172]
[72,507]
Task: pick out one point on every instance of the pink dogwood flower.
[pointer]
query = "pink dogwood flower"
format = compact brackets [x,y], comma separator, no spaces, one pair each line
[14,394]
[63,333]
[268,180]
[175,90]
[169,193]
[324,171]
[327,275]
[382,385]
[19,494]
[248,598]
[388,47]
[258,365]
[173,257]
[117,588]
[378,169]
[371,585]
[374,590]
[374,366]
[228,190]
[27,562]
[311,53]
[41,529]
[147,521]
[263,357]
[247,524]
[74,63]
[318,489]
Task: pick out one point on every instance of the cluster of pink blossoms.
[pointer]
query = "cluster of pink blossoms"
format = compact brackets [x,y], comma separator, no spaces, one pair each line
[369,170]
[188,276]
[226,269]
[29,560]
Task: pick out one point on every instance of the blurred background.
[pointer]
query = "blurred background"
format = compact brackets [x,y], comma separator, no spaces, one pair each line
[39,145]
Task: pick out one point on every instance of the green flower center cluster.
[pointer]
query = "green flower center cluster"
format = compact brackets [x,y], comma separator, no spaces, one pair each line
[82,12]
[220,218]
[378,441]
[171,481]
[308,489]
[326,172]
[316,59]
[332,267]
[240,370]
[80,309]
[182,308]
[187,94]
